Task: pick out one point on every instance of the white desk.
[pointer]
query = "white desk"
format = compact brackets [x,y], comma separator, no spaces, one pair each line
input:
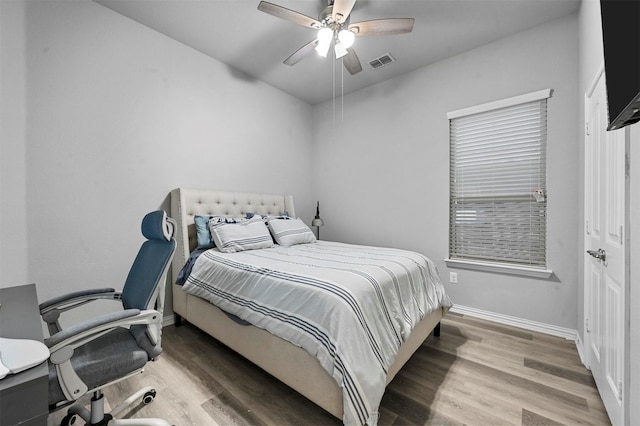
[24,397]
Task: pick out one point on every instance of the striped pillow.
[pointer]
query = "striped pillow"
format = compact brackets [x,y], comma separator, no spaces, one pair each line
[288,232]
[203,234]
[247,235]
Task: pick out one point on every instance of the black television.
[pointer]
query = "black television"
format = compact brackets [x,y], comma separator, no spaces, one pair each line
[621,39]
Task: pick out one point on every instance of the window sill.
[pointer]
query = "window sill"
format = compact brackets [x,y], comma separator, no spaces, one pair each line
[499,268]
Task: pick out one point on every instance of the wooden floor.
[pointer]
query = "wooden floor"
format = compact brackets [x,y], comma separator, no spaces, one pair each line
[476,373]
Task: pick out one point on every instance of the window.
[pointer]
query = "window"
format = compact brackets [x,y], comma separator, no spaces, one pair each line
[498,195]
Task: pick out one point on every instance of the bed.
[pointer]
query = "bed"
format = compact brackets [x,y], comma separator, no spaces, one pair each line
[292,363]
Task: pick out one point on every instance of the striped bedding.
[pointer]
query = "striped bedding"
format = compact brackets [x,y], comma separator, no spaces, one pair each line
[349,306]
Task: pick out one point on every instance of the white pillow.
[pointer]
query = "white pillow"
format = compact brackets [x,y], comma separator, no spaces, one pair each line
[246,235]
[288,232]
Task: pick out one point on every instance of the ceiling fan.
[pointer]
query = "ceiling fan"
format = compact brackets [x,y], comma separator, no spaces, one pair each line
[334,28]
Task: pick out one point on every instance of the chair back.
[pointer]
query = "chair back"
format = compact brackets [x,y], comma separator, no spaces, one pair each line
[144,288]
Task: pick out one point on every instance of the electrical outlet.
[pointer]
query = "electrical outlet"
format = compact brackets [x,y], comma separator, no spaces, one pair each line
[453,277]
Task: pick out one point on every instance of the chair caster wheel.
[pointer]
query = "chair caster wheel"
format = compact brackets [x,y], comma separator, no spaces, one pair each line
[149,397]
[68,420]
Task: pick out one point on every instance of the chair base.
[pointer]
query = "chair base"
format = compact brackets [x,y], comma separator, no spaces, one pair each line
[97,417]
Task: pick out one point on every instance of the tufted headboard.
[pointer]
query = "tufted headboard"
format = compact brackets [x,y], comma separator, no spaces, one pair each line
[187,203]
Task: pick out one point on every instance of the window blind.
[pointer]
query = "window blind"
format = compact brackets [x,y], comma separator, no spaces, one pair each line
[498,203]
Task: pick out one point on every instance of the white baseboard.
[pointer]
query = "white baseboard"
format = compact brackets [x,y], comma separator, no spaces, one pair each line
[580,348]
[526,324]
[168,320]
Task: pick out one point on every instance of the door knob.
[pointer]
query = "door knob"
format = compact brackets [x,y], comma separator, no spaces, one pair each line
[598,254]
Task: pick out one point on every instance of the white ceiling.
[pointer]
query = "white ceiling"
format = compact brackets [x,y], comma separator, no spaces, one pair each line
[254,44]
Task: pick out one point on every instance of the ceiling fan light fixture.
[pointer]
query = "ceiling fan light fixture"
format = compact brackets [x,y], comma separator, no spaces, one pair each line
[325,35]
[323,49]
[340,49]
[346,37]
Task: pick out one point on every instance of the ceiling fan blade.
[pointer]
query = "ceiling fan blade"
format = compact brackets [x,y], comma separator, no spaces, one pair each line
[388,26]
[351,62]
[288,15]
[301,53]
[342,9]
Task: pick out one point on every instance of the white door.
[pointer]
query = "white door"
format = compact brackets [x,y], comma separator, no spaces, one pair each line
[604,260]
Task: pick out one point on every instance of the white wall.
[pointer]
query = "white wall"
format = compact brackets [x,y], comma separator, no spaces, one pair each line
[383,179]
[117,116]
[13,208]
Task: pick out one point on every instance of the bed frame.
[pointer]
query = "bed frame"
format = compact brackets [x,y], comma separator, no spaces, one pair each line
[288,363]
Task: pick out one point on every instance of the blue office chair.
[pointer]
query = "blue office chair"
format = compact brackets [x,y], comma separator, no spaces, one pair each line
[101,351]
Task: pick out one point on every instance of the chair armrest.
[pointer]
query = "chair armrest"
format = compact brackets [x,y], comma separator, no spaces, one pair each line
[51,309]
[78,296]
[84,332]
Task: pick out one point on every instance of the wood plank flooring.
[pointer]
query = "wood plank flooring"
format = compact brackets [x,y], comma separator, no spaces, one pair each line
[476,373]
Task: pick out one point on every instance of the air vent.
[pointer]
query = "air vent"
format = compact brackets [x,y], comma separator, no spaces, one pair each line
[381,61]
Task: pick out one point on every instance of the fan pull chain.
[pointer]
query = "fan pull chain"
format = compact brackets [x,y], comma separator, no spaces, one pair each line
[342,87]
[334,97]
